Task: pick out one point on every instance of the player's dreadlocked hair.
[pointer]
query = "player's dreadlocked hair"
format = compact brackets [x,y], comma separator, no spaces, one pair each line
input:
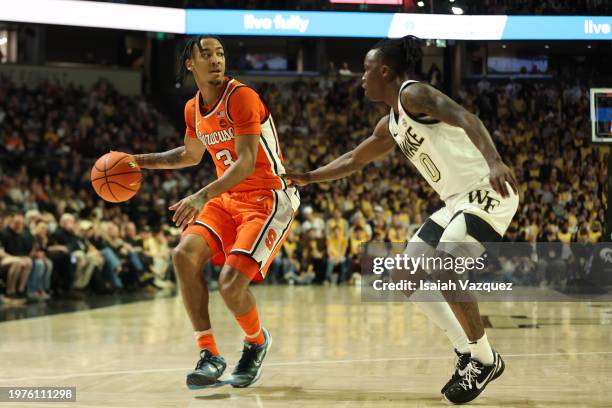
[403,55]
[188,53]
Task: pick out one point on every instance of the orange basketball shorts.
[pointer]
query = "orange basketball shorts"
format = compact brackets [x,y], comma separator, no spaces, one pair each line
[246,229]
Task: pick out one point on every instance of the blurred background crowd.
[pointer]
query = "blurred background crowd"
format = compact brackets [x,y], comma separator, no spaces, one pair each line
[58,239]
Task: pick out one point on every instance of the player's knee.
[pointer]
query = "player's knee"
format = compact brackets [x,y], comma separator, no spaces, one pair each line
[456,231]
[178,253]
[231,283]
[190,253]
[184,262]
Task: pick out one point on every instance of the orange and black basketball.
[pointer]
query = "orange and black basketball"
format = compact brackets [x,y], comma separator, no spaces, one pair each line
[116,177]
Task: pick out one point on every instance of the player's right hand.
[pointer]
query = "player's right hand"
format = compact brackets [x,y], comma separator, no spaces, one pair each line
[297,178]
[500,174]
[186,211]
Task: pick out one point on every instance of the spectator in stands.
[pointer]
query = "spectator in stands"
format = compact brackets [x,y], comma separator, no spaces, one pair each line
[312,221]
[595,231]
[337,245]
[515,259]
[132,267]
[359,220]
[157,248]
[87,258]
[397,232]
[286,266]
[379,223]
[337,220]
[358,237]
[64,243]
[16,242]
[112,262]
[40,279]
[582,250]
[551,265]
[313,255]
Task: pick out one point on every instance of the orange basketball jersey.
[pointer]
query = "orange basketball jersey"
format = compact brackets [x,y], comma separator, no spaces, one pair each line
[239,111]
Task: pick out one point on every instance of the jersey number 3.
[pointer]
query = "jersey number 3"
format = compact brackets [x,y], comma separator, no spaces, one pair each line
[226,156]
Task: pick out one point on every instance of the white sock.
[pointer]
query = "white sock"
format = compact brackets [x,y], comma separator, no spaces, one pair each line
[481,350]
[197,334]
[440,313]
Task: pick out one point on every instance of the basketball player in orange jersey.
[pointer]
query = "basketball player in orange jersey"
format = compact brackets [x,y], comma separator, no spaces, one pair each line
[240,220]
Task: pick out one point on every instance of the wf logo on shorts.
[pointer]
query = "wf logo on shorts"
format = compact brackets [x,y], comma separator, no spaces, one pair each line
[483,199]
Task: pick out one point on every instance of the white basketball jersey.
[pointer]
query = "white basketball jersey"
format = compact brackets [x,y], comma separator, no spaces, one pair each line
[442,153]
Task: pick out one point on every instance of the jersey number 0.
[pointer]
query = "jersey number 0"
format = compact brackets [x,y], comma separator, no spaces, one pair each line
[430,167]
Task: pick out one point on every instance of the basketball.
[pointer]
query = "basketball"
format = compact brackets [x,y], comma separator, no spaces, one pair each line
[116,177]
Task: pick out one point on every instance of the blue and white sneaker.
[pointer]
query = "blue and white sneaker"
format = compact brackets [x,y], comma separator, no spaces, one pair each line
[248,369]
[207,370]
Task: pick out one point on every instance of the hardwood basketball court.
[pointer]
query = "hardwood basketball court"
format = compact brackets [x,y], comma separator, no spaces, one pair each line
[329,350]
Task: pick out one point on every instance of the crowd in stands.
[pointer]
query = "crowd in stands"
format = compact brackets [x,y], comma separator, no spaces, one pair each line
[541,129]
[55,235]
[58,238]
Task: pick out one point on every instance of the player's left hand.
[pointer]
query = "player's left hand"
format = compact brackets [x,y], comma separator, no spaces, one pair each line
[297,178]
[186,211]
[500,174]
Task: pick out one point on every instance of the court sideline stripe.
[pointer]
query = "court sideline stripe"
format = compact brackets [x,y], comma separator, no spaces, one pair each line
[293,363]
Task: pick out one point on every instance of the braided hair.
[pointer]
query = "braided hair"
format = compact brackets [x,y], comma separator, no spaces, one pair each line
[188,54]
[403,55]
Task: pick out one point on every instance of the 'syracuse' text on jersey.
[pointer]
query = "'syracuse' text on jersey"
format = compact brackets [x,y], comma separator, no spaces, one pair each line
[239,111]
[442,153]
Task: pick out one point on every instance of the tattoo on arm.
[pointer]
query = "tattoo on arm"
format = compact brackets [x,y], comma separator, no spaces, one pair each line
[423,98]
[165,160]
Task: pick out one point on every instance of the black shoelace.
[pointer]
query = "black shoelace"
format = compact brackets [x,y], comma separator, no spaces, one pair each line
[462,361]
[207,358]
[248,355]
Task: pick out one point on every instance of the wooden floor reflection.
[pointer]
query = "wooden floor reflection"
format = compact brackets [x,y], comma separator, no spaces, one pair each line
[330,350]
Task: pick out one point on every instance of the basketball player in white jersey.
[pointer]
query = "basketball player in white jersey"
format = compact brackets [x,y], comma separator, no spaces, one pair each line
[454,152]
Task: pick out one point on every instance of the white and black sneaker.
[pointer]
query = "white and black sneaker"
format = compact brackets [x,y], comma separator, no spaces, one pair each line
[475,379]
[248,369]
[207,371]
[463,359]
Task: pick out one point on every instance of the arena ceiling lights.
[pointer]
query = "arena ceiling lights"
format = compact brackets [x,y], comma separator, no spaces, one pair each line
[305,24]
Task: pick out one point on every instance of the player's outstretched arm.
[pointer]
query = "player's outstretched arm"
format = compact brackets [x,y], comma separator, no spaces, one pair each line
[423,98]
[184,156]
[374,147]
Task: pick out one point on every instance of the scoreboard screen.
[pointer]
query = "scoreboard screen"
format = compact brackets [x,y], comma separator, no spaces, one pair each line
[601,115]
